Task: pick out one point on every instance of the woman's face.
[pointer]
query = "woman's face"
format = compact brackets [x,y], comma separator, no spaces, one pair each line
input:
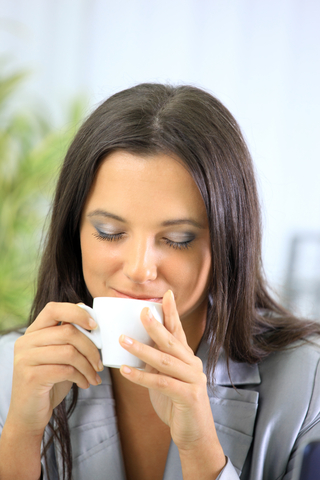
[144,230]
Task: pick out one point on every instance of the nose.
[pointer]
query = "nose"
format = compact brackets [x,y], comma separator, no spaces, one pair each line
[140,262]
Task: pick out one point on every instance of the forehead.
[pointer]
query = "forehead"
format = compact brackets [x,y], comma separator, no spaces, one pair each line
[158,183]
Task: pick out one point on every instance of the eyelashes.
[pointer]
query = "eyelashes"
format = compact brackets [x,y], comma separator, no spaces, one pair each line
[109,237]
[179,245]
[113,237]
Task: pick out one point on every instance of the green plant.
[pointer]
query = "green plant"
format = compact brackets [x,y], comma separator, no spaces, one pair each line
[30,154]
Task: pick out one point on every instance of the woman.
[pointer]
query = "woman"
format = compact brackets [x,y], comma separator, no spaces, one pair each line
[157,199]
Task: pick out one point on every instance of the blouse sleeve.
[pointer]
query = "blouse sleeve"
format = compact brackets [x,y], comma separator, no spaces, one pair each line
[6,371]
[228,472]
[309,431]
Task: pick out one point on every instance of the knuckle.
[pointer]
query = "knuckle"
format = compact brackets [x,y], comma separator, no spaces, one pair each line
[69,352]
[68,371]
[25,333]
[166,360]
[30,376]
[18,360]
[171,341]
[50,308]
[203,379]
[176,330]
[18,345]
[196,393]
[198,363]
[162,382]
[190,350]
[69,331]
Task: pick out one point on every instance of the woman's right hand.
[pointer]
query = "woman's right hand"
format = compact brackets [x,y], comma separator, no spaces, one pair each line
[48,358]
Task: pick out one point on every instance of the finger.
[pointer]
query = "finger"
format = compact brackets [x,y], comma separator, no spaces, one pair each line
[171,317]
[163,362]
[165,340]
[50,375]
[59,355]
[65,334]
[178,391]
[57,312]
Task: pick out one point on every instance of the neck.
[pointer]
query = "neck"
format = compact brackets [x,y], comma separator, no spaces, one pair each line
[130,397]
[194,326]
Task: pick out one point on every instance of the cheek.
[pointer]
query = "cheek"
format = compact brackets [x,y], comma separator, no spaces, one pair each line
[98,258]
[196,277]
[190,275]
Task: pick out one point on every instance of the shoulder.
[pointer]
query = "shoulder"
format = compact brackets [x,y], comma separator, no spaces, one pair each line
[6,370]
[288,414]
[299,361]
[292,375]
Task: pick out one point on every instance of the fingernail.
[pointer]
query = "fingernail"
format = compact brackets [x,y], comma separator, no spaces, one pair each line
[125,369]
[127,340]
[100,366]
[171,293]
[149,314]
[93,324]
[98,379]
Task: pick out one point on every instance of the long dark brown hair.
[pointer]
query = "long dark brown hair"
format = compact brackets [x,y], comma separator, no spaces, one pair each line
[243,318]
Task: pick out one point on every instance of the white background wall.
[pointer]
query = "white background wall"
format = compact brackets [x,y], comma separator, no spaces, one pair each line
[260,57]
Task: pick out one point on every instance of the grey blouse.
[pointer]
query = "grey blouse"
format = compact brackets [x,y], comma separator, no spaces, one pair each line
[261,424]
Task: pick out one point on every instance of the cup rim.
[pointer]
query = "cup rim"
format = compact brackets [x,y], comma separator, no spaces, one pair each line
[141,300]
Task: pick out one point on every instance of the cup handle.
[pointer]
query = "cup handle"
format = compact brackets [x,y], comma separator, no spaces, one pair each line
[94,335]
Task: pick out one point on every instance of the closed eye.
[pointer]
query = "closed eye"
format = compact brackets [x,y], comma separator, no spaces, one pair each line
[109,237]
[113,237]
[179,245]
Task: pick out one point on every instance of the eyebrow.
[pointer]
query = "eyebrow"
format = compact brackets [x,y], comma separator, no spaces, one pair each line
[167,223]
[103,213]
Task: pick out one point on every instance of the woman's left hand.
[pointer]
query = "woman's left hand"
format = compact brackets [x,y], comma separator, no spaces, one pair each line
[175,379]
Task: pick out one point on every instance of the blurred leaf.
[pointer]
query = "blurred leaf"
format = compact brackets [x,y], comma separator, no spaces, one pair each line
[31,152]
[9,84]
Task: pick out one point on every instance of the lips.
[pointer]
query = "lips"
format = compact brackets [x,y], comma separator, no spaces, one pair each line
[147,298]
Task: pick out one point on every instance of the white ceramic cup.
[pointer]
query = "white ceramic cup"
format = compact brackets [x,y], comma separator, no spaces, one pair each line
[116,317]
